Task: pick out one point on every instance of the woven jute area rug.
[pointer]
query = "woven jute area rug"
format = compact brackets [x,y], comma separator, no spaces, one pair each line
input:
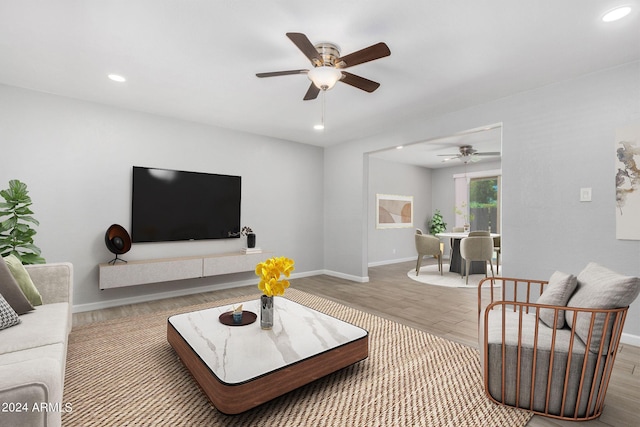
[124,373]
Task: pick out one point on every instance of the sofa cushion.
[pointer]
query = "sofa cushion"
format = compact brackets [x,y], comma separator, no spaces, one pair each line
[8,316]
[11,291]
[557,292]
[599,287]
[23,279]
[55,351]
[521,362]
[44,326]
[527,335]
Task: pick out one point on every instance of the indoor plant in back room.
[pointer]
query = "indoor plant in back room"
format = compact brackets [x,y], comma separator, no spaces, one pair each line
[16,235]
[437,224]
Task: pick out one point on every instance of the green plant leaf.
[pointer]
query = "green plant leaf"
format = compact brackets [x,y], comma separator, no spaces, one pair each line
[8,224]
[18,189]
[33,248]
[30,219]
[23,210]
[31,259]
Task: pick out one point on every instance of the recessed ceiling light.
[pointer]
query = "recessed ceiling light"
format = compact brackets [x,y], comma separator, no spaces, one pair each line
[117,78]
[617,13]
[318,127]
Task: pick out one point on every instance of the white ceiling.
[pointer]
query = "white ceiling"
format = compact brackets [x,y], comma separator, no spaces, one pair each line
[196,59]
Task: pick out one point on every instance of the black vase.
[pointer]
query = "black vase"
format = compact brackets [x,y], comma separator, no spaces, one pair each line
[251,240]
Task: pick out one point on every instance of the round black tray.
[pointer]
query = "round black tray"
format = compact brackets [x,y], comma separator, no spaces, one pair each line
[248,317]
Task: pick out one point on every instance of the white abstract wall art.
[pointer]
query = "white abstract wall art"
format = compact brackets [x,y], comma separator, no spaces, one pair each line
[394,211]
[628,182]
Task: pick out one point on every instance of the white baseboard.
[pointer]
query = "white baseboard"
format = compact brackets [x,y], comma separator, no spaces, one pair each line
[391,261]
[351,277]
[630,339]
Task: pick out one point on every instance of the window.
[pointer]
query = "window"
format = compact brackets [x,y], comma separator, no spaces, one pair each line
[484,203]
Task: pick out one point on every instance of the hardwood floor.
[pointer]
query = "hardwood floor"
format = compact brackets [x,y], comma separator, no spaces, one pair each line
[447,312]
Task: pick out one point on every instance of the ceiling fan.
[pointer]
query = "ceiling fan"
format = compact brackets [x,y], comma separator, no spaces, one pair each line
[468,154]
[328,65]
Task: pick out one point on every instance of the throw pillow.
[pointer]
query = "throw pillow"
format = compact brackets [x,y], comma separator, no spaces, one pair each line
[557,292]
[8,316]
[11,291]
[599,287]
[24,280]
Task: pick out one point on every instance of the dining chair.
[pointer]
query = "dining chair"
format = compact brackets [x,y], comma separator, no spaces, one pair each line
[477,248]
[479,233]
[427,245]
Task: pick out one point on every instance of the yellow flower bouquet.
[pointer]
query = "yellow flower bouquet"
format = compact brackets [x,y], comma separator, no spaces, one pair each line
[270,271]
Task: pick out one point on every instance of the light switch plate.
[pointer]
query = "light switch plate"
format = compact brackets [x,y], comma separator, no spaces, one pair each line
[585,194]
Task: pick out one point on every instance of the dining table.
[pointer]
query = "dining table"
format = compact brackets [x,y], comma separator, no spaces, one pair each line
[456,263]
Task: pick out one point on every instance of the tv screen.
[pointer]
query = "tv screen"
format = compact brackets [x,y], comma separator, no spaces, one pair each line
[169,205]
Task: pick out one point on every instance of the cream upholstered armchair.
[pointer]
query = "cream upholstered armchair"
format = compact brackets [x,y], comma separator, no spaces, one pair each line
[428,245]
[477,248]
[549,346]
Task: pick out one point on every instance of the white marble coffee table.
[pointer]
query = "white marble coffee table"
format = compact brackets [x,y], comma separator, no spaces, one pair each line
[241,367]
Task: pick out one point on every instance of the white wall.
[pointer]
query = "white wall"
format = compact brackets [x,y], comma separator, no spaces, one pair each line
[76,158]
[556,139]
[386,245]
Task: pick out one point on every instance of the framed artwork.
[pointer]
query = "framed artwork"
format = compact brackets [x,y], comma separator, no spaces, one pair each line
[628,182]
[394,211]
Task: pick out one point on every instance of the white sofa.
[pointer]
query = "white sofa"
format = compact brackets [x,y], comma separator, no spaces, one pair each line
[33,353]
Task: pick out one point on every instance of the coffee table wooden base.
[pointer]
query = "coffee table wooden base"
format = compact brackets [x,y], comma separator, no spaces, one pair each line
[236,398]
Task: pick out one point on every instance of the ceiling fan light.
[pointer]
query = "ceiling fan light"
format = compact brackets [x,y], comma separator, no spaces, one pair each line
[324,77]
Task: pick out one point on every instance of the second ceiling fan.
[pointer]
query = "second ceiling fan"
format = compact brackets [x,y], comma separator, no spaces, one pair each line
[468,154]
[328,65]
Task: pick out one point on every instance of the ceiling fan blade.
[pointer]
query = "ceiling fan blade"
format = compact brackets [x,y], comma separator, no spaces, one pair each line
[359,82]
[449,158]
[312,93]
[306,47]
[281,73]
[449,155]
[376,51]
[488,153]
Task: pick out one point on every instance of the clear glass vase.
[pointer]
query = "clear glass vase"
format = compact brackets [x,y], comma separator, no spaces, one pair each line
[266,312]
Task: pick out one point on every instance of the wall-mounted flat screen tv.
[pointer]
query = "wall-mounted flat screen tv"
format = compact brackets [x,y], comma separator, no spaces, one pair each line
[169,205]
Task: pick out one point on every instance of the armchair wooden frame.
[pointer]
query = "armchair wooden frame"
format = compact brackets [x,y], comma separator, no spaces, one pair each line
[515,296]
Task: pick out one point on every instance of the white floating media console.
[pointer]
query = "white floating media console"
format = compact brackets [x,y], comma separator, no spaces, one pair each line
[168,269]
